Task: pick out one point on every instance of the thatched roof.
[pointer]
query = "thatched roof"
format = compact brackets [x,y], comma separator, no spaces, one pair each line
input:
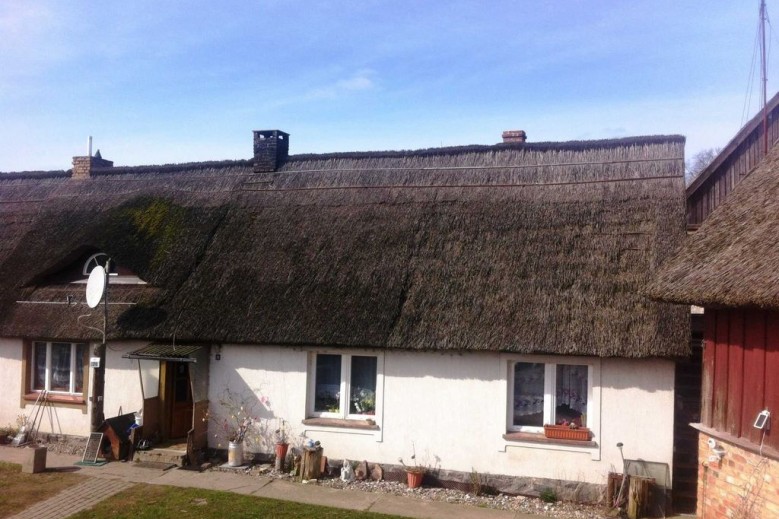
[522,248]
[731,261]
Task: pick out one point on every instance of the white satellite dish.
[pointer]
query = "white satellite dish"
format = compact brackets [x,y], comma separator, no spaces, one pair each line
[95,286]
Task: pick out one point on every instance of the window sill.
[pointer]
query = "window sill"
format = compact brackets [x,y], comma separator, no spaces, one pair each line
[742,443]
[57,399]
[543,440]
[341,423]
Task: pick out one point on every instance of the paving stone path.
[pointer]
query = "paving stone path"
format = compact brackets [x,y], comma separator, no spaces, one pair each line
[75,499]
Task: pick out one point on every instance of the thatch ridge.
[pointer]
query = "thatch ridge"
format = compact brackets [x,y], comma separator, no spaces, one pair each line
[477,148]
[16,175]
[186,167]
[730,261]
[502,248]
[423,152]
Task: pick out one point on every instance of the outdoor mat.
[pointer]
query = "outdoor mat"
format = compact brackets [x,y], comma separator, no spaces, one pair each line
[91,463]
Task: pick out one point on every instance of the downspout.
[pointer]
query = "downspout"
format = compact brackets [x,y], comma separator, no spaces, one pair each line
[143,393]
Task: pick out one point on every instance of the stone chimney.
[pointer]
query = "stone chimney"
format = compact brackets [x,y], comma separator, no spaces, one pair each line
[514,136]
[271,149]
[84,166]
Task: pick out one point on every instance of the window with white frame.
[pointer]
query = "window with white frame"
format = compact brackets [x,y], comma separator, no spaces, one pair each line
[548,393]
[96,259]
[343,385]
[58,367]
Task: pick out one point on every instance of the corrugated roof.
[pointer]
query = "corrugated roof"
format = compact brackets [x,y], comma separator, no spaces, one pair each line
[159,351]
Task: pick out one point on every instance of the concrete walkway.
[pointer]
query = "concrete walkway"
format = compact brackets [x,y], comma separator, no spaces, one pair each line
[75,499]
[112,478]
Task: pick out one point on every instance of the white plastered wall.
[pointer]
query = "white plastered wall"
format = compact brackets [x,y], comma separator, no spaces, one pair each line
[272,379]
[10,380]
[122,384]
[452,408]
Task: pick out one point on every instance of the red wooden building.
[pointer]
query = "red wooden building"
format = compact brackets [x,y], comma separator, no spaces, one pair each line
[730,266]
[736,160]
[741,376]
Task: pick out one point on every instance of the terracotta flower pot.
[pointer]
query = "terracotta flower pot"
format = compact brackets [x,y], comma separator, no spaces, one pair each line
[415,478]
[563,432]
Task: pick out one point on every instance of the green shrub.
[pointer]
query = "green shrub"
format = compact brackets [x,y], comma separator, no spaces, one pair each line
[548,495]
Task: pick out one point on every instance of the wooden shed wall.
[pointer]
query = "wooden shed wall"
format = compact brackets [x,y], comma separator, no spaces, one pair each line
[738,164]
[740,366]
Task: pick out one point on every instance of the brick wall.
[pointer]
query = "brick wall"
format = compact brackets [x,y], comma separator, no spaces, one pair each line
[83,166]
[271,149]
[743,484]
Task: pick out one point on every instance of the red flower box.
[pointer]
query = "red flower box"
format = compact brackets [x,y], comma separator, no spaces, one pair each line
[563,432]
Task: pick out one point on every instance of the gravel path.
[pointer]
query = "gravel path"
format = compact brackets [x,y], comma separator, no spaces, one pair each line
[522,504]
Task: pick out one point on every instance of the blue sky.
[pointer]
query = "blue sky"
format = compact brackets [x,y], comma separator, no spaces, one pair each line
[163,82]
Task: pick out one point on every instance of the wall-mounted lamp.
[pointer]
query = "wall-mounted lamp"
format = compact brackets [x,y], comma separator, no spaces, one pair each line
[218,355]
[717,452]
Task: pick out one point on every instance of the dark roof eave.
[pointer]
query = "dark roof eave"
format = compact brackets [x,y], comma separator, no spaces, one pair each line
[731,146]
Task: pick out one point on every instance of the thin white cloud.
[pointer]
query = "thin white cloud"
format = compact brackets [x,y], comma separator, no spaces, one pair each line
[32,35]
[359,81]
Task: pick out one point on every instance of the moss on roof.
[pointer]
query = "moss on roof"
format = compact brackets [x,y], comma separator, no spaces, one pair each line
[520,248]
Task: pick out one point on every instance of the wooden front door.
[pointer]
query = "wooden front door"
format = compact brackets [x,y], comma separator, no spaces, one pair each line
[178,396]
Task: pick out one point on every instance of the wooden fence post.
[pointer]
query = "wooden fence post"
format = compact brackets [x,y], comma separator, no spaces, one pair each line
[638,496]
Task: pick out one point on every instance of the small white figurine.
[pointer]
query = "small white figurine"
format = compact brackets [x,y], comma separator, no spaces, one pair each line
[347,472]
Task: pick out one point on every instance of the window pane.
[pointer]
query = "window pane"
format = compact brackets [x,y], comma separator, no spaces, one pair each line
[529,394]
[60,366]
[571,394]
[39,366]
[79,383]
[363,390]
[327,389]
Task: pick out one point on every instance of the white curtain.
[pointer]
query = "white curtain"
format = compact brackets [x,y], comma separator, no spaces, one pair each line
[572,387]
[528,388]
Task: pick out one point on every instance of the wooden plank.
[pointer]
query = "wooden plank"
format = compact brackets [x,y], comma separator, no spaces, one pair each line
[707,382]
[720,404]
[754,372]
[735,372]
[311,464]
[771,378]
[638,496]
[151,417]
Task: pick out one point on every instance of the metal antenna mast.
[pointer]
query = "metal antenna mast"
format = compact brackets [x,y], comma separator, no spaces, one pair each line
[764,76]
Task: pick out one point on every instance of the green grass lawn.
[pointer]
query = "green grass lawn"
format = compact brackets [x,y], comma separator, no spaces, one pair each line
[157,501]
[19,490]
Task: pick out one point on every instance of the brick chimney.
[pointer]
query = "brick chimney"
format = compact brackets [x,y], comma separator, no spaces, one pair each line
[84,166]
[514,136]
[271,149]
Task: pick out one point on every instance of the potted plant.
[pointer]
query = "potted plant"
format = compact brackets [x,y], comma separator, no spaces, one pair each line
[281,444]
[235,443]
[233,422]
[414,473]
[364,401]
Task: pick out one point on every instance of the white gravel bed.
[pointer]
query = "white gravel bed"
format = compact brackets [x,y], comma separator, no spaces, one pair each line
[522,504]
